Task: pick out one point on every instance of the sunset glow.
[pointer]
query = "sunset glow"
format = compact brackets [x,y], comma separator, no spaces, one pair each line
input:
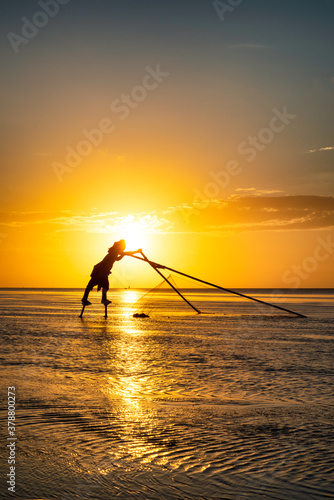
[215,158]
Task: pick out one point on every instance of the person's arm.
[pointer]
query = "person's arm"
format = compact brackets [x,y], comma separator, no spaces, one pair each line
[123,254]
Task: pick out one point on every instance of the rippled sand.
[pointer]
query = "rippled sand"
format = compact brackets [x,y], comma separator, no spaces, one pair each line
[227,405]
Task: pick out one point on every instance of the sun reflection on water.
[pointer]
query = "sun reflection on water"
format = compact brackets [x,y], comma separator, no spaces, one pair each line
[130,296]
[129,300]
[131,389]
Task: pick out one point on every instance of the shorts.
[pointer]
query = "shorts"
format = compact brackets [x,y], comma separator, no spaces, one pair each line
[99,282]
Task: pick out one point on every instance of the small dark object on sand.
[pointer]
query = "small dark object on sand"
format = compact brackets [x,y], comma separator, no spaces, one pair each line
[140,315]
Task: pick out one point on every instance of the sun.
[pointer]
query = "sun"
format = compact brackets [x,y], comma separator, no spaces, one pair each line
[134,234]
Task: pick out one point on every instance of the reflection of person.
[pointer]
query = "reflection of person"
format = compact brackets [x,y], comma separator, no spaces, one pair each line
[101,271]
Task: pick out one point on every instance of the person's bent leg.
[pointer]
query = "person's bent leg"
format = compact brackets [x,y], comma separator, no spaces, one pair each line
[104,300]
[89,288]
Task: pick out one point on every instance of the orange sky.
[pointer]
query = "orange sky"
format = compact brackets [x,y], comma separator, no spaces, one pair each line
[211,148]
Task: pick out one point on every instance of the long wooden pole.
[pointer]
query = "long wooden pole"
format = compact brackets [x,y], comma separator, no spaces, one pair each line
[155,265]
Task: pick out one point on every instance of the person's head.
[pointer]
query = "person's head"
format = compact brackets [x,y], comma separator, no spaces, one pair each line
[118,246]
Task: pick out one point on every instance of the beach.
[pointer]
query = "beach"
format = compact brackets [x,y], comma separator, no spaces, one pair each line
[235,403]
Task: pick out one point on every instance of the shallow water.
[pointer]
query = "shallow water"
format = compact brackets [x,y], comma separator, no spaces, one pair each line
[234,404]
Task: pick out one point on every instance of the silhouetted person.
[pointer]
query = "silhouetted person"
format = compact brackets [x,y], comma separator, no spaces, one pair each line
[101,271]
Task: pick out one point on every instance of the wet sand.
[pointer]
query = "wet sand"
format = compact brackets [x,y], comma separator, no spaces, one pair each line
[233,404]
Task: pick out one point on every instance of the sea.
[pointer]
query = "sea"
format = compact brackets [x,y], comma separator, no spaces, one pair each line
[233,403]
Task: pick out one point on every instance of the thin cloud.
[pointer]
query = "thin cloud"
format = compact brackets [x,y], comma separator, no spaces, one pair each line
[328,148]
[250,46]
[99,223]
[257,192]
[255,213]
[247,212]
